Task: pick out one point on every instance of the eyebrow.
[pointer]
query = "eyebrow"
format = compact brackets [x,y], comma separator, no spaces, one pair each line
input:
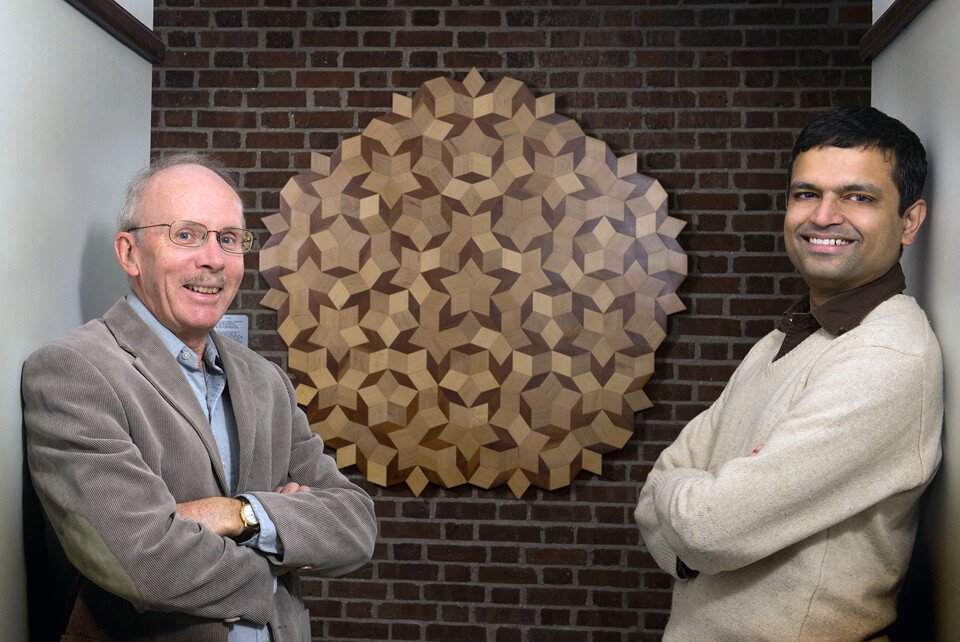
[869,188]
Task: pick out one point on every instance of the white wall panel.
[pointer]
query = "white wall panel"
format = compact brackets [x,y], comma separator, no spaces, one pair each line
[75,121]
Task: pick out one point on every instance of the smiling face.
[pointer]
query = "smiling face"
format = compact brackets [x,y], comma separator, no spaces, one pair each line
[187,289]
[842,228]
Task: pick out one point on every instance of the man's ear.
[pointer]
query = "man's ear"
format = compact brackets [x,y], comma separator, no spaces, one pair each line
[125,247]
[912,218]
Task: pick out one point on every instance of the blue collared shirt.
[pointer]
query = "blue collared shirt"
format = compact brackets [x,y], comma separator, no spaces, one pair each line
[209,383]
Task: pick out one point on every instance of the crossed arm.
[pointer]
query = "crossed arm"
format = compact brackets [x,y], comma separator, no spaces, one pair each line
[222,514]
[109,458]
[716,503]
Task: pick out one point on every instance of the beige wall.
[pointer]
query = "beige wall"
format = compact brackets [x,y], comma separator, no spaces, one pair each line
[75,117]
[917,79]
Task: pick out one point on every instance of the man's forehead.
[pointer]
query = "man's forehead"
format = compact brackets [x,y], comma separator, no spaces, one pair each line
[868,155]
[188,186]
[886,155]
[186,177]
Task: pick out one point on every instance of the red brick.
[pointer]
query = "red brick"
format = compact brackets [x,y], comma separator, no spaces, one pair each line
[619,619]
[471,18]
[326,38]
[274,99]
[225,78]
[180,18]
[221,119]
[506,575]
[505,615]
[372,59]
[512,39]
[377,99]
[183,98]
[376,18]
[177,119]
[174,139]
[276,59]
[228,39]
[443,632]
[468,59]
[349,629]
[408,611]
[556,596]
[560,513]
[274,140]
[454,592]
[275,19]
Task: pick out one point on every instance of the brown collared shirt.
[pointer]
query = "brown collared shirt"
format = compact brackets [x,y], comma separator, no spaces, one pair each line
[840,313]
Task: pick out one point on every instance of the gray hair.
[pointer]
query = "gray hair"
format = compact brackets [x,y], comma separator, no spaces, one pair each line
[129,216]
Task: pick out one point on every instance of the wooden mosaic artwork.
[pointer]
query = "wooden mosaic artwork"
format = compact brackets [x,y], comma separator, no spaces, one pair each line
[472,290]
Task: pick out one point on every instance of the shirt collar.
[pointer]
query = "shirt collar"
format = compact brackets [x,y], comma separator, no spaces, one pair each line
[840,313]
[184,355]
[847,310]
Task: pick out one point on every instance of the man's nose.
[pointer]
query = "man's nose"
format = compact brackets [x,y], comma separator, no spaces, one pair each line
[828,211]
[210,252]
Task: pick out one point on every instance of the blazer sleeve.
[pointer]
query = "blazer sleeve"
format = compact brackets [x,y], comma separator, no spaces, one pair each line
[331,529]
[115,517]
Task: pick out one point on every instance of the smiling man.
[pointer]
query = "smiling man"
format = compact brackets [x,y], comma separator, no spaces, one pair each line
[788,509]
[174,466]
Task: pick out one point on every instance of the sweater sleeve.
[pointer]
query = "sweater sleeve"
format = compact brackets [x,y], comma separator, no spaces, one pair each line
[686,453]
[852,436]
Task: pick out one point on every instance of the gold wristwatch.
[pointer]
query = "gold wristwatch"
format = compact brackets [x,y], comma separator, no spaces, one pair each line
[251,526]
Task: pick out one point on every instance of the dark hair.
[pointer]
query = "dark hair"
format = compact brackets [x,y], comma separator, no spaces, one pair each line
[869,128]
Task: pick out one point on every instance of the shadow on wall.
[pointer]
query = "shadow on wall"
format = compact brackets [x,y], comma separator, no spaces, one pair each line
[102,280]
[52,582]
[919,255]
[916,615]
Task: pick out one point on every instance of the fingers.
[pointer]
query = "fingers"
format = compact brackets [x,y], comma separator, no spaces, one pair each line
[291,487]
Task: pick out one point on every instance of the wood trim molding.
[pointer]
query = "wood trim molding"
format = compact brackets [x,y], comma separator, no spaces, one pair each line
[894,20]
[123,26]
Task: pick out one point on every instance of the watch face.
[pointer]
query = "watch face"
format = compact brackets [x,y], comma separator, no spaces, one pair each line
[248,515]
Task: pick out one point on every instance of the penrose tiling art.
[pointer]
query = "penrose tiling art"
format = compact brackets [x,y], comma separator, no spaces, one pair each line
[472,290]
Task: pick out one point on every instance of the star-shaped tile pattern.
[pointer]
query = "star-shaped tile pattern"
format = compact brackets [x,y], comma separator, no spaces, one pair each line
[472,290]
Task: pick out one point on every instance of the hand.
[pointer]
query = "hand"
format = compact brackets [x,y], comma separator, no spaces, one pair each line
[219,514]
[292,487]
[222,514]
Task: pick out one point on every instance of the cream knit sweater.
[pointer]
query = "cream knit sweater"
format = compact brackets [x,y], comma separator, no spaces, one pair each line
[810,538]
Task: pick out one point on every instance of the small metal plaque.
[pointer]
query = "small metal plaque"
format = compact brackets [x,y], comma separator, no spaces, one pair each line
[235,326]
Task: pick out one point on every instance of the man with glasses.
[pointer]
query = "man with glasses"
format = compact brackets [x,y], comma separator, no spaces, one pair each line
[175,468]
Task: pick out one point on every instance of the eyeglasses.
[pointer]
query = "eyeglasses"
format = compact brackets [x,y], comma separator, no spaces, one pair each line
[233,240]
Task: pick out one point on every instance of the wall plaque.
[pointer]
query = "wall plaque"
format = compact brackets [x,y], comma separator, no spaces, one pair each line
[472,290]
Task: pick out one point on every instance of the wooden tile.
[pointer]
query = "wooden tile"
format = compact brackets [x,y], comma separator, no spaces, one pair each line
[472,290]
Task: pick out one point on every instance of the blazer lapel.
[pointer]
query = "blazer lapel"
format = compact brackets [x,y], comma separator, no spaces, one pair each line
[239,384]
[158,366]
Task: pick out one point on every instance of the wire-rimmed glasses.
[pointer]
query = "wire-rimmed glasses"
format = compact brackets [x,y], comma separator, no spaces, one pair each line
[233,240]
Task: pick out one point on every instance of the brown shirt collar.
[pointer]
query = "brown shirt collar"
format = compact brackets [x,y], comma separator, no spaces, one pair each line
[838,314]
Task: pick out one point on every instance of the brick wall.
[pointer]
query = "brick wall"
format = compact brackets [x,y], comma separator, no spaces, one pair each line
[710,94]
